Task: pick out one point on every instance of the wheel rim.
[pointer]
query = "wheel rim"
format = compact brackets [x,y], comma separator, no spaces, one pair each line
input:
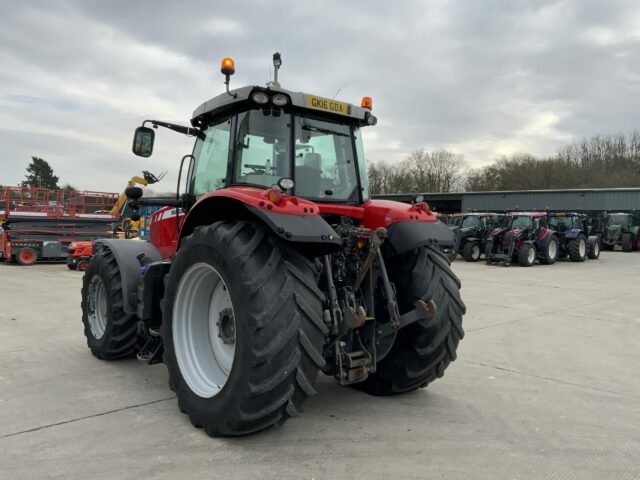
[475,252]
[531,256]
[596,249]
[582,248]
[26,256]
[204,329]
[98,307]
[553,249]
[82,266]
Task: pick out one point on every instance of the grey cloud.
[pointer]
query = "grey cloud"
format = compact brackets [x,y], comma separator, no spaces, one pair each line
[481,77]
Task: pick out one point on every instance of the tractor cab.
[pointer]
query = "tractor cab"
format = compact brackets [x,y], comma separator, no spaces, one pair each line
[269,137]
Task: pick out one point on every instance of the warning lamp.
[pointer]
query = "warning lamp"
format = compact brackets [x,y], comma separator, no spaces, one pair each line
[274,196]
[367,103]
[228,68]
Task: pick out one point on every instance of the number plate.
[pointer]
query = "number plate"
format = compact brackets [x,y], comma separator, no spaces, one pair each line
[328,105]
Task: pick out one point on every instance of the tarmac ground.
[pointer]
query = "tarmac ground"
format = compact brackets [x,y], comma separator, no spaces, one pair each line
[546,385]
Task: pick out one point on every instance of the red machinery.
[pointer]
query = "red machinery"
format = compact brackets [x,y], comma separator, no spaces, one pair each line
[40,223]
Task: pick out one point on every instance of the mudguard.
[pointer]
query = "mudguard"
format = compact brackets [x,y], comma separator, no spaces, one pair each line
[405,236]
[126,253]
[311,232]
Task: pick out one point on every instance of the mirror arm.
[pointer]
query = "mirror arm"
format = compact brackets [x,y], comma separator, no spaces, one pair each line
[190,131]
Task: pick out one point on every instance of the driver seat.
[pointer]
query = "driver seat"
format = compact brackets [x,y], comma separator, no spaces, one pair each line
[308,175]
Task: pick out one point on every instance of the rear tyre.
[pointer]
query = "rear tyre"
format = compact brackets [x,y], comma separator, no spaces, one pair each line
[243,330]
[27,257]
[471,251]
[423,350]
[111,333]
[549,253]
[594,250]
[578,249]
[72,266]
[627,242]
[526,255]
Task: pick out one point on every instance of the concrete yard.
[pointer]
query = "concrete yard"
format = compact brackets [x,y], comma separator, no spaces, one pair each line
[546,385]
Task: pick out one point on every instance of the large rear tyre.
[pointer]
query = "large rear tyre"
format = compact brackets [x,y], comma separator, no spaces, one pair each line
[578,249]
[242,328]
[111,333]
[423,350]
[627,242]
[550,251]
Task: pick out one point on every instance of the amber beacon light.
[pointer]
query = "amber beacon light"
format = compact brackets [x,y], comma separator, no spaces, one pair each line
[227,66]
[367,103]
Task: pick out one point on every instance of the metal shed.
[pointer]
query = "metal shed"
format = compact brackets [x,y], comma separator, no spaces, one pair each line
[590,199]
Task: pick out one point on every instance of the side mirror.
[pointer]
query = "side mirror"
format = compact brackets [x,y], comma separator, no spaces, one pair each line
[143,141]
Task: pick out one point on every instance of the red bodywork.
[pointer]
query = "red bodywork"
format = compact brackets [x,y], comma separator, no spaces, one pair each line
[81,249]
[164,227]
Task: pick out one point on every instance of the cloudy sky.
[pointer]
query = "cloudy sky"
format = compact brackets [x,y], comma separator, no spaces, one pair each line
[478,77]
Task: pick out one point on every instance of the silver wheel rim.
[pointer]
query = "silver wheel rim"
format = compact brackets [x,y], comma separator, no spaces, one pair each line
[596,249]
[582,248]
[553,249]
[204,330]
[531,256]
[475,252]
[98,307]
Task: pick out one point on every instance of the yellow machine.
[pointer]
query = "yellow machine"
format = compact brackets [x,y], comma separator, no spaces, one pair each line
[125,227]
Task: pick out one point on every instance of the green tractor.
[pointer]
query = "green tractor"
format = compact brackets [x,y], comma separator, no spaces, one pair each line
[621,229]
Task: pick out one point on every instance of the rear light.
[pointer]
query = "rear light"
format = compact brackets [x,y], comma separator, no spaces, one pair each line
[274,196]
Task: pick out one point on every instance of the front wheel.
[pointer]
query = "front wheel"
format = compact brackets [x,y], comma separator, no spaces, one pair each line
[111,333]
[242,329]
[594,250]
[423,350]
[578,249]
[549,253]
[471,251]
[526,255]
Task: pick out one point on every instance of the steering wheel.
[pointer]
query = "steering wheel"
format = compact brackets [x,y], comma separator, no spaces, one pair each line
[257,169]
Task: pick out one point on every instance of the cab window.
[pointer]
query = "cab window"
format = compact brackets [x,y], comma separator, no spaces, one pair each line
[211,153]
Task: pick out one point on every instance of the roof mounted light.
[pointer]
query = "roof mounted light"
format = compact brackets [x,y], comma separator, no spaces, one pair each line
[367,103]
[260,98]
[228,68]
[370,119]
[280,100]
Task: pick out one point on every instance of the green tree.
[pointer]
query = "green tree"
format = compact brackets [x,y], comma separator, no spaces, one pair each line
[40,175]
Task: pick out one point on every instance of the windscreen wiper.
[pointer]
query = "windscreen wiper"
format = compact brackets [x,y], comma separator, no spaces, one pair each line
[313,128]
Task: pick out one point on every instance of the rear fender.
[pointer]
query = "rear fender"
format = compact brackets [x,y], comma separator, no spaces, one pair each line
[126,253]
[405,236]
[301,224]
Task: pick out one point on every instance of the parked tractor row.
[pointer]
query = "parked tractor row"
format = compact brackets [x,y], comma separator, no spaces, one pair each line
[524,237]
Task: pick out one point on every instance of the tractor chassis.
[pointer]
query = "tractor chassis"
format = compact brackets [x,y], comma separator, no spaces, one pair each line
[504,259]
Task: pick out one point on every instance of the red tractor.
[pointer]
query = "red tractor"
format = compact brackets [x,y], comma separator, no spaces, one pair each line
[525,238]
[79,255]
[273,265]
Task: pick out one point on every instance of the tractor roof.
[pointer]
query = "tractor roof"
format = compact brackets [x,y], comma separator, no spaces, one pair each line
[528,214]
[566,214]
[240,98]
[481,214]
